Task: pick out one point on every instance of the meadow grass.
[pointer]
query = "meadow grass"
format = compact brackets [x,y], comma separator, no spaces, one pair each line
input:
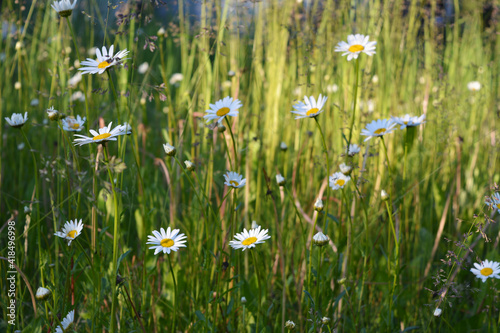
[390,261]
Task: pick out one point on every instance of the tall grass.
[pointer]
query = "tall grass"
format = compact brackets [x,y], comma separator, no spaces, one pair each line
[388,265]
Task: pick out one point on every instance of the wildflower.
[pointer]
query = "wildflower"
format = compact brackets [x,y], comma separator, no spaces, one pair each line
[280,180]
[222,108]
[17,85]
[42,294]
[311,108]
[320,239]
[160,32]
[70,231]
[378,127]
[318,205]
[175,78]
[167,241]
[189,165]
[35,102]
[66,322]
[243,300]
[437,312]
[283,146]
[474,86]
[254,225]
[104,61]
[17,120]
[72,124]
[332,88]
[353,149]
[226,84]
[338,180]
[248,239]
[77,96]
[345,169]
[169,150]
[234,180]
[409,121]
[355,45]
[143,68]
[290,325]
[105,134]
[27,210]
[384,196]
[64,7]
[20,146]
[487,269]
[74,80]
[494,201]
[325,320]
[53,114]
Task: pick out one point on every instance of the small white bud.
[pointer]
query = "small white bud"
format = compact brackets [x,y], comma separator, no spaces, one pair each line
[318,205]
[243,300]
[17,85]
[283,146]
[320,239]
[280,180]
[290,325]
[325,320]
[53,114]
[231,73]
[345,169]
[169,150]
[189,165]
[384,195]
[254,225]
[437,312]
[42,294]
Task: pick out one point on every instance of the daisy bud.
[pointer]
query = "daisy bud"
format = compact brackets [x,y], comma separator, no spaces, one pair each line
[345,169]
[17,85]
[474,86]
[169,150]
[320,239]
[342,281]
[437,312]
[189,165]
[325,320]
[27,210]
[290,325]
[318,205]
[384,195]
[283,146]
[19,46]
[254,225]
[221,128]
[161,32]
[243,300]
[42,294]
[53,114]
[280,180]
[231,73]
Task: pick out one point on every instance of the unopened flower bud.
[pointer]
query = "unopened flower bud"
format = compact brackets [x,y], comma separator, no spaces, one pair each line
[342,281]
[53,114]
[345,169]
[280,180]
[320,239]
[283,146]
[254,225]
[221,128]
[290,325]
[384,195]
[243,300]
[325,320]
[169,150]
[318,205]
[42,294]
[437,312]
[189,165]
[161,32]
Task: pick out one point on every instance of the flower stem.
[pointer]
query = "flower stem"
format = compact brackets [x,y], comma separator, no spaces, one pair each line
[175,292]
[115,95]
[259,303]
[234,145]
[325,150]
[355,103]
[310,253]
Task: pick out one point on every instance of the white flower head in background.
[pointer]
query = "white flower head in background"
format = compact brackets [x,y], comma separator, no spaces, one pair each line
[353,150]
[248,239]
[53,114]
[189,165]
[254,225]
[234,179]
[437,312]
[290,325]
[72,124]
[355,45]
[378,127]
[494,201]
[176,78]
[70,231]
[222,108]
[474,86]
[64,7]
[169,150]
[409,121]
[280,180]
[17,120]
[338,180]
[310,107]
[487,269]
[143,68]
[105,134]
[105,60]
[283,146]
[166,241]
[67,323]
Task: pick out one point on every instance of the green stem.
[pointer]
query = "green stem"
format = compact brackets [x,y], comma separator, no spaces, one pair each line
[115,95]
[355,103]
[259,303]
[310,253]
[234,145]
[175,292]
[325,150]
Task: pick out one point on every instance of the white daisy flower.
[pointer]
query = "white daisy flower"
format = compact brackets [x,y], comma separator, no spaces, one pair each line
[66,322]
[311,107]
[355,45]
[494,201]
[42,294]
[234,179]
[353,149]
[104,134]
[409,121]
[338,180]
[222,108]
[70,231]
[167,241]
[17,120]
[64,7]
[104,61]
[474,86]
[378,127]
[72,124]
[487,269]
[248,239]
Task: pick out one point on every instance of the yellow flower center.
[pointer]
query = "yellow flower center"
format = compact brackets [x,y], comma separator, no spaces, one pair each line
[223,111]
[167,242]
[101,136]
[356,48]
[71,234]
[249,241]
[340,182]
[498,206]
[380,131]
[486,271]
[75,126]
[405,122]
[232,182]
[312,111]
[103,64]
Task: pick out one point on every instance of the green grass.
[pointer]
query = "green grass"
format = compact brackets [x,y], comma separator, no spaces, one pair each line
[279,52]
